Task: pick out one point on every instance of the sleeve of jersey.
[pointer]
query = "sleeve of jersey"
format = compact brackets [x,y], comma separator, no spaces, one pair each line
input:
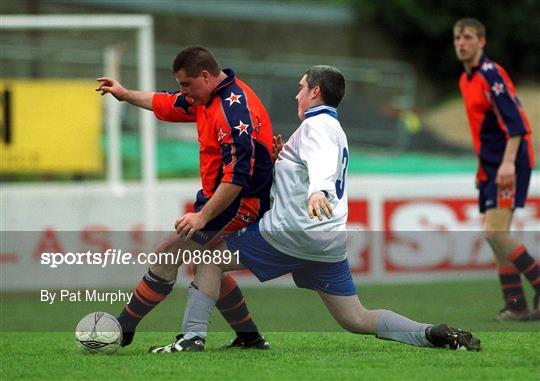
[237,148]
[505,104]
[320,153]
[173,108]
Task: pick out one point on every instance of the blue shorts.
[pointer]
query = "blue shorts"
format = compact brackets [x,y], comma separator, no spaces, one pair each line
[267,263]
[490,196]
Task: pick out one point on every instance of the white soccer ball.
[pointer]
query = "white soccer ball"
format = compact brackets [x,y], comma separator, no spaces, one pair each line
[98,332]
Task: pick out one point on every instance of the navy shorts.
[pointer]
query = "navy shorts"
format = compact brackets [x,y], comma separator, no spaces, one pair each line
[491,196]
[267,263]
[242,212]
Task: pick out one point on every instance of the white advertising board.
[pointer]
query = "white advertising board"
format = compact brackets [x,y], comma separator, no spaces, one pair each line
[401,228]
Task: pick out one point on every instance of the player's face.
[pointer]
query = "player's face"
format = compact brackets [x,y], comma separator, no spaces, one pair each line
[304,97]
[467,44]
[197,88]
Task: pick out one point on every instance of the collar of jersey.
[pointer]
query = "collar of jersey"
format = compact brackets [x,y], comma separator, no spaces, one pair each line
[223,84]
[320,109]
[474,69]
[226,82]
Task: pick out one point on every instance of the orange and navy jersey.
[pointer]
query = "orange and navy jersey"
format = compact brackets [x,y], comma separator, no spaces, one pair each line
[495,114]
[235,136]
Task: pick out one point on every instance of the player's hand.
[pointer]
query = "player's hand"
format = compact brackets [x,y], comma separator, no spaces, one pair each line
[318,205]
[113,87]
[506,175]
[277,146]
[188,224]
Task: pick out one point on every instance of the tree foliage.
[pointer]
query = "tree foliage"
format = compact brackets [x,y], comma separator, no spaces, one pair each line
[424,28]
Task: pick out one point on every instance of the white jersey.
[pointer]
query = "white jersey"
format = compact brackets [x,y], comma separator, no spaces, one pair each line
[314,159]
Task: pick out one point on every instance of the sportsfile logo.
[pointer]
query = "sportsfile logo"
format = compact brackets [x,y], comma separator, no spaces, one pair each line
[423,235]
[118,257]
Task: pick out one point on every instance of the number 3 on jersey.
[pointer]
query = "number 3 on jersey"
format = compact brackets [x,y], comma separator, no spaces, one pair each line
[340,182]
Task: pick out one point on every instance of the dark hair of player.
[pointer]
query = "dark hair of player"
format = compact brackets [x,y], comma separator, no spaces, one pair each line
[330,81]
[193,60]
[471,23]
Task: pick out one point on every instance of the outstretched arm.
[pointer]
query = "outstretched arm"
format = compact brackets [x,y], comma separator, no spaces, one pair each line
[138,98]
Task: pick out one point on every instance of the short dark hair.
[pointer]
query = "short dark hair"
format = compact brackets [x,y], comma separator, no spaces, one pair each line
[194,59]
[471,23]
[330,81]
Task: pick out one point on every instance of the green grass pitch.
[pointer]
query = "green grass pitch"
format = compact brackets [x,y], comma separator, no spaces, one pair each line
[306,343]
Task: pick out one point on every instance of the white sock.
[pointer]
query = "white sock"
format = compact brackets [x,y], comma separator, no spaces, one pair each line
[392,326]
[196,314]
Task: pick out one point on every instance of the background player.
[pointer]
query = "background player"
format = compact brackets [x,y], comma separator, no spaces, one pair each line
[502,141]
[311,169]
[235,135]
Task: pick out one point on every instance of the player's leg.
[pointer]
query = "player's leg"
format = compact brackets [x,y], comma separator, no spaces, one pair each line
[203,293]
[497,233]
[250,251]
[341,299]
[231,303]
[160,279]
[511,256]
[153,288]
[233,307]
[158,283]
[354,317]
[513,259]
[350,314]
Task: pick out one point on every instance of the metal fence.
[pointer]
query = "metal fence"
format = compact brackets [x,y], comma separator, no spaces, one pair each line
[379,92]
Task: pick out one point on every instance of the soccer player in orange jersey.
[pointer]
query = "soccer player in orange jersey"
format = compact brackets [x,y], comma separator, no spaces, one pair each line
[235,135]
[502,141]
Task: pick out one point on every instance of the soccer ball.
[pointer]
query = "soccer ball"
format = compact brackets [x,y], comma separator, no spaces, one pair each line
[98,332]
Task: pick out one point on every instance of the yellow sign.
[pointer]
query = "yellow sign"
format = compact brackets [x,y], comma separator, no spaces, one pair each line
[50,126]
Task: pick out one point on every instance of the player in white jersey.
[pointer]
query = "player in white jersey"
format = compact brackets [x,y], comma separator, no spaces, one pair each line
[320,146]
[311,245]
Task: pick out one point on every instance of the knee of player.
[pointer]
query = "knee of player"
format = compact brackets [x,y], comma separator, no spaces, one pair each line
[354,325]
[165,272]
[357,323]
[163,247]
[494,235]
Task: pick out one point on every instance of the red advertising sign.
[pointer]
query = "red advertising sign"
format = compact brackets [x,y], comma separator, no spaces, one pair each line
[359,245]
[432,234]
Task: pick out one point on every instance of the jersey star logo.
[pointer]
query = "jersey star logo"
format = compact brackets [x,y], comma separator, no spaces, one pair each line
[233,99]
[221,135]
[487,66]
[183,103]
[242,128]
[498,88]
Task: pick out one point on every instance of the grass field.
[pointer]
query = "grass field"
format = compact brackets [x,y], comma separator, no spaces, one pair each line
[306,343]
